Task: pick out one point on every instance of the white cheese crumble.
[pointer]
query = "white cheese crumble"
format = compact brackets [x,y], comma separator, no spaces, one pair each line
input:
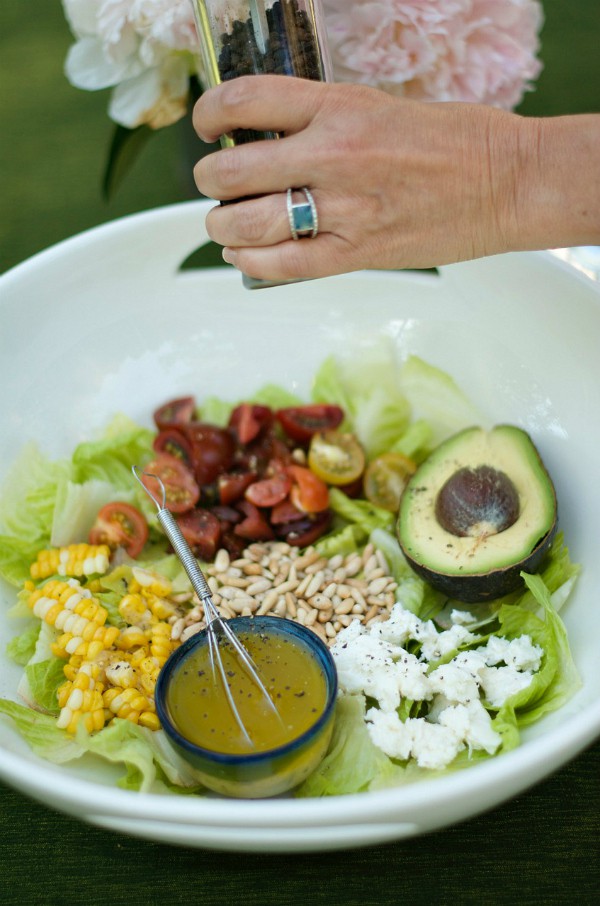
[374,661]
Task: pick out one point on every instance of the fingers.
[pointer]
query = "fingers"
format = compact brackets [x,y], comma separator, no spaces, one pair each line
[265,103]
[263,221]
[290,260]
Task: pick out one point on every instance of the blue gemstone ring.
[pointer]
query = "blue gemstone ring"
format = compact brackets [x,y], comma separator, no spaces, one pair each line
[303,217]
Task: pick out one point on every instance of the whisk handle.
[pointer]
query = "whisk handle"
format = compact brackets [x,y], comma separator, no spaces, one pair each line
[182,550]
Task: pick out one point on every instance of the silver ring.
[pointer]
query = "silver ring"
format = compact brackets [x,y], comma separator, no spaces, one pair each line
[303,217]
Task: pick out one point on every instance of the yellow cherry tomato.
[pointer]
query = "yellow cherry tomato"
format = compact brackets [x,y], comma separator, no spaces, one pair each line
[337,458]
[385,478]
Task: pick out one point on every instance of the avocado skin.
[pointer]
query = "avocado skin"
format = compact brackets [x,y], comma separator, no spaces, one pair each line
[479,587]
[476,589]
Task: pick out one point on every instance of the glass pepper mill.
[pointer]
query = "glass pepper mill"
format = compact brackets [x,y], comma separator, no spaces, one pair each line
[252,37]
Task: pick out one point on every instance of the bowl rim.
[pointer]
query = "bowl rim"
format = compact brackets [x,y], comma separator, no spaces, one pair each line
[262,623]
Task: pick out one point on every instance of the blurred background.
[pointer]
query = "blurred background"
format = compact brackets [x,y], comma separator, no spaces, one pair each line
[54,138]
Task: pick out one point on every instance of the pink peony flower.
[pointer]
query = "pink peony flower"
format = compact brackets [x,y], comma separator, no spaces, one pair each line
[445,50]
[438,50]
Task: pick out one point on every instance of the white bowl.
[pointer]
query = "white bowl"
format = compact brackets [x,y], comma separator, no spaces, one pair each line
[106,322]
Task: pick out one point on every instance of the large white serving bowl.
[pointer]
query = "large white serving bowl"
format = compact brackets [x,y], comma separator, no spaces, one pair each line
[106,322]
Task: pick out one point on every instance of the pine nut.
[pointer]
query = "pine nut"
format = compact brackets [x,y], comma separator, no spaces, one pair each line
[221,560]
[259,586]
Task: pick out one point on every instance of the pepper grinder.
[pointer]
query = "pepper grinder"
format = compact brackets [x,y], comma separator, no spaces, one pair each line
[252,37]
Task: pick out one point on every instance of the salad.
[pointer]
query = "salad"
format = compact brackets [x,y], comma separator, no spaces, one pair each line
[291,506]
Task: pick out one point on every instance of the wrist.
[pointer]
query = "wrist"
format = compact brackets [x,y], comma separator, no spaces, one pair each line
[557,183]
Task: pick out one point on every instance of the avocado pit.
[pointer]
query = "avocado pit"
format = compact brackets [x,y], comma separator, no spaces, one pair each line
[476,502]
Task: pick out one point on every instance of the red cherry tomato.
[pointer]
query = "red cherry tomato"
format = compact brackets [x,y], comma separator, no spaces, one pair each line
[308,493]
[213,450]
[181,490]
[175,443]
[285,512]
[248,419]
[231,485]
[306,531]
[175,412]
[120,525]
[255,526]
[269,491]
[202,531]
[301,422]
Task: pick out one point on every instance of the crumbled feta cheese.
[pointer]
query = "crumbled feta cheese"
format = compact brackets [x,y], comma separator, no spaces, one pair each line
[431,745]
[455,683]
[366,664]
[519,653]
[499,683]
[374,661]
[462,617]
[433,647]
[473,724]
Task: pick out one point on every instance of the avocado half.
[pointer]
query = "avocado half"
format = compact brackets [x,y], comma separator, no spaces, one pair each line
[481,509]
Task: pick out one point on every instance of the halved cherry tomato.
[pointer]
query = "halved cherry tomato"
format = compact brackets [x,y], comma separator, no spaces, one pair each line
[385,479]
[308,493]
[119,524]
[285,512]
[336,457]
[254,527]
[175,443]
[181,490]
[175,412]
[248,419]
[231,485]
[305,531]
[213,450]
[301,422]
[202,531]
[268,491]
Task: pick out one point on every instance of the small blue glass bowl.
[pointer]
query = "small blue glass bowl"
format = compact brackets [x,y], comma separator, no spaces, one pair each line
[259,774]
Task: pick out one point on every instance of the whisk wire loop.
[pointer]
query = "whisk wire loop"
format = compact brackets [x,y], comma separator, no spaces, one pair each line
[202,589]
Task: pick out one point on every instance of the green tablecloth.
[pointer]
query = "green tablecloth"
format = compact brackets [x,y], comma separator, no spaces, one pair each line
[541,848]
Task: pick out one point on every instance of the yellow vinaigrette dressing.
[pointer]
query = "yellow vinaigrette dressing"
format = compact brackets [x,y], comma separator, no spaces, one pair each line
[198,706]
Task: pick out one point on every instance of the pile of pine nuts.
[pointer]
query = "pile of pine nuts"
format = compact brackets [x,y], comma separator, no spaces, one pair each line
[274,578]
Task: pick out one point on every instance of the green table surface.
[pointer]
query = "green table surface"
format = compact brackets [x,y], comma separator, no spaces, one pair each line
[540,848]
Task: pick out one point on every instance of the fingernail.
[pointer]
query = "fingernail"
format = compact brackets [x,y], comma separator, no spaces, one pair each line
[230,256]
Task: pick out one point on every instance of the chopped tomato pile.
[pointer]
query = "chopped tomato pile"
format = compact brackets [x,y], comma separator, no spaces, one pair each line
[264,476]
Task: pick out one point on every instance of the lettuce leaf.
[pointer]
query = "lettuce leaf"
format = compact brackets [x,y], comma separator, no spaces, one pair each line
[367,388]
[353,763]
[433,395]
[41,733]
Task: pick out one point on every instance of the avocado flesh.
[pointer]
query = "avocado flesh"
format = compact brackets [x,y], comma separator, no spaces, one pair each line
[486,563]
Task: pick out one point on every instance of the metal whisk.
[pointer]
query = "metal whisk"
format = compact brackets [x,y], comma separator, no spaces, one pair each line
[212,615]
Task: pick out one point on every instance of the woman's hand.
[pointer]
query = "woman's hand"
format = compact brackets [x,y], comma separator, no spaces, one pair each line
[396,183]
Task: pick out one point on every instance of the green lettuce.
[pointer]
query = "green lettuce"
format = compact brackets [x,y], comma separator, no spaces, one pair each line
[433,395]
[353,764]
[367,388]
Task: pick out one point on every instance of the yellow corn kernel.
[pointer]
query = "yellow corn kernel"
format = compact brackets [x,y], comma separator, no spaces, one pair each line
[161,608]
[150,720]
[131,637]
[68,644]
[81,706]
[149,582]
[120,673]
[138,655]
[132,607]
[125,701]
[161,644]
[73,560]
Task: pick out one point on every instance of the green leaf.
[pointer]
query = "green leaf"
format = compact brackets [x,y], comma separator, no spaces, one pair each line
[124,150]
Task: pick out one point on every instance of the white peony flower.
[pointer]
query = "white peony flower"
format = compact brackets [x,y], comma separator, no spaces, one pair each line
[145,49]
